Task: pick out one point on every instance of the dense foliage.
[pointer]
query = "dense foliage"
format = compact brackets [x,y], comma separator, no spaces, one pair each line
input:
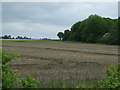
[10,78]
[112,79]
[94,29]
[60,35]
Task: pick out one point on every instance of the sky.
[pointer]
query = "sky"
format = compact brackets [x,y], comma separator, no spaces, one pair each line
[46,19]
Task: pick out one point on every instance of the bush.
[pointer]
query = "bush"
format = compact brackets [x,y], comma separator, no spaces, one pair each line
[10,78]
[29,82]
[112,77]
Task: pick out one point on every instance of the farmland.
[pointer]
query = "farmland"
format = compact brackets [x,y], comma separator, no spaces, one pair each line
[53,60]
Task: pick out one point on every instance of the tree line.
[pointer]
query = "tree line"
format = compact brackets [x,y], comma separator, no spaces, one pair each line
[18,37]
[94,29]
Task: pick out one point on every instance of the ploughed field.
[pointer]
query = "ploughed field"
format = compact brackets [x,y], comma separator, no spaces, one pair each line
[52,60]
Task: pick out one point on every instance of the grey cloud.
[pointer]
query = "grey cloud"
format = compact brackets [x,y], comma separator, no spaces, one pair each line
[36,30]
[57,15]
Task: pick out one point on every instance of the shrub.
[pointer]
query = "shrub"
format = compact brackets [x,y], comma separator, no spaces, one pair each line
[10,78]
[112,79]
[29,82]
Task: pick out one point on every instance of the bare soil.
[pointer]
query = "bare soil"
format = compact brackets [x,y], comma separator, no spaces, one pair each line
[52,60]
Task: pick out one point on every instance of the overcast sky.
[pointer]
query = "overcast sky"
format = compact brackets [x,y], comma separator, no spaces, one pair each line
[46,19]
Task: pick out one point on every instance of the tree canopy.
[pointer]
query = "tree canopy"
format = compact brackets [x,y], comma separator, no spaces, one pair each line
[92,30]
[60,35]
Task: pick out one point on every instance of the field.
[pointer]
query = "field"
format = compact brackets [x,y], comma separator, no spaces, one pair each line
[54,61]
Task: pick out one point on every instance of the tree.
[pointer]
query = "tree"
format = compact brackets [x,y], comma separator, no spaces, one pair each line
[6,37]
[60,35]
[94,29]
[66,35]
[112,39]
[19,37]
[75,32]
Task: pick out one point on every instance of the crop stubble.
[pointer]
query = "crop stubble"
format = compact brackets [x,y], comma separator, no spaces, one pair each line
[52,61]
